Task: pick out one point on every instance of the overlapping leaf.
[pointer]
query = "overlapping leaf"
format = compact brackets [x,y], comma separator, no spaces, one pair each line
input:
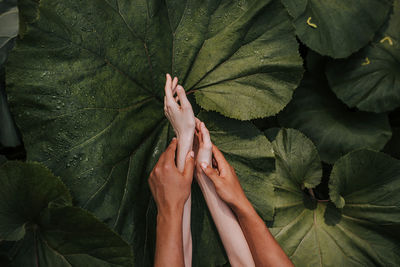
[36,211]
[314,233]
[370,79]
[337,28]
[330,124]
[86,85]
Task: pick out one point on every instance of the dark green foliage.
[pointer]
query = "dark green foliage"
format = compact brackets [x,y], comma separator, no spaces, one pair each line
[85,84]
[36,211]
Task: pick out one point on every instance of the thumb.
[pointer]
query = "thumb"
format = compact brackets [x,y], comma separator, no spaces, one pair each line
[210,172]
[189,165]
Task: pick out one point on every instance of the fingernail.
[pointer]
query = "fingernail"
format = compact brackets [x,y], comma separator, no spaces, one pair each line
[204,165]
[173,139]
[191,153]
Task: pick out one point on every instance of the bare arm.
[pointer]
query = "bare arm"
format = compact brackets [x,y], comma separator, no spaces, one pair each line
[182,120]
[169,245]
[170,189]
[228,227]
[264,248]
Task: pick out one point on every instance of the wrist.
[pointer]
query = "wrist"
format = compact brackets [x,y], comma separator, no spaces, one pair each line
[243,208]
[186,136]
[171,211]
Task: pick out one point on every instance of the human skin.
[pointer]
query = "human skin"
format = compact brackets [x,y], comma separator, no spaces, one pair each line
[228,227]
[170,189]
[179,112]
[265,249]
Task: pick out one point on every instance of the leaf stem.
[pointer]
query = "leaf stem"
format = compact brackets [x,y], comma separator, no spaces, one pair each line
[311,193]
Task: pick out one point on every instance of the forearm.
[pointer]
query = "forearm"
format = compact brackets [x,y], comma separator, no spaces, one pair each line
[228,227]
[265,249]
[185,144]
[169,246]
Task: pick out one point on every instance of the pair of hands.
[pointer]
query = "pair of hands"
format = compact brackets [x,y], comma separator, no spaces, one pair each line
[171,187]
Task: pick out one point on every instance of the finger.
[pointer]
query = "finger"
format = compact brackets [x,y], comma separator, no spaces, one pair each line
[223,165]
[198,123]
[210,172]
[189,166]
[205,135]
[167,88]
[182,96]
[169,153]
[174,84]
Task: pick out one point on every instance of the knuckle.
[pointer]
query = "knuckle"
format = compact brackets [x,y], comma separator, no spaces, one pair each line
[157,171]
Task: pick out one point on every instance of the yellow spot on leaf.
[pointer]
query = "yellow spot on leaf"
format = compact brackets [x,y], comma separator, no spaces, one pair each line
[387,38]
[310,23]
[366,62]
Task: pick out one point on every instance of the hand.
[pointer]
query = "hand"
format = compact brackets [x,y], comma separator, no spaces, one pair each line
[178,109]
[202,145]
[225,180]
[169,186]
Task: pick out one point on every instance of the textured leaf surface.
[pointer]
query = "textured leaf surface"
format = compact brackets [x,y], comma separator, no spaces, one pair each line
[27,189]
[367,193]
[297,158]
[370,79]
[319,234]
[337,28]
[35,209]
[330,124]
[90,101]
[256,69]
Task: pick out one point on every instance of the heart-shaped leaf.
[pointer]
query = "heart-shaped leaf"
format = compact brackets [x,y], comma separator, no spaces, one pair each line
[337,28]
[370,79]
[315,233]
[330,124]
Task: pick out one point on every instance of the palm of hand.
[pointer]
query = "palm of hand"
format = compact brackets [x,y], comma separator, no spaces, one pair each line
[178,109]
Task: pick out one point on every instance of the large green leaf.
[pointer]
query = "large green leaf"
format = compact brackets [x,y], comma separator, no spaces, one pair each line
[337,28]
[366,185]
[316,233]
[35,208]
[253,74]
[297,158]
[27,189]
[330,124]
[370,79]
[86,85]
